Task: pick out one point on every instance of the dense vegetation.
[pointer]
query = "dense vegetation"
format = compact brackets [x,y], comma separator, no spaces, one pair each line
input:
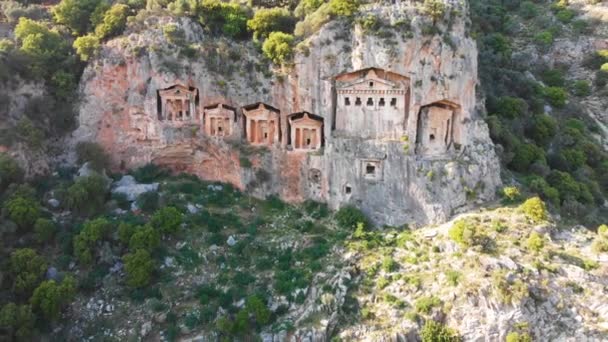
[555,152]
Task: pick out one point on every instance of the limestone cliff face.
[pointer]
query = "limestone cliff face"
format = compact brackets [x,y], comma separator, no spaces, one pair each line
[120,110]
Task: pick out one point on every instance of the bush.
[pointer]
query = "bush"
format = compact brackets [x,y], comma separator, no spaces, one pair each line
[525,155]
[278,47]
[426,304]
[535,242]
[510,107]
[581,88]
[542,129]
[167,220]
[556,96]
[306,7]
[150,173]
[343,8]
[18,321]
[49,298]
[602,230]
[148,201]
[350,217]
[435,9]
[436,332]
[114,21]
[230,18]
[463,232]
[534,209]
[146,238]
[75,14]
[544,39]
[258,309]
[518,337]
[511,193]
[10,171]
[553,77]
[84,243]
[389,265]
[45,229]
[267,20]
[27,269]
[24,211]
[94,154]
[139,267]
[87,195]
[86,46]
[46,47]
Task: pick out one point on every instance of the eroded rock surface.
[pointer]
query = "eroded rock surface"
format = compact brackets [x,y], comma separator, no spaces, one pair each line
[389,176]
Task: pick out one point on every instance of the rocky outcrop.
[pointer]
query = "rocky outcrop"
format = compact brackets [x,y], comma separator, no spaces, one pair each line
[120,111]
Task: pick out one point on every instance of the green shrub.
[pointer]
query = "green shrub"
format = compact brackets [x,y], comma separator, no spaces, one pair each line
[50,297]
[24,211]
[42,44]
[534,209]
[349,217]
[223,17]
[267,20]
[150,173]
[601,78]
[92,232]
[148,201]
[343,8]
[463,232]
[18,321]
[86,46]
[75,14]
[581,88]
[602,230]
[45,229]
[114,21]
[435,9]
[94,154]
[518,337]
[535,242]
[389,264]
[139,267]
[306,7]
[87,195]
[565,15]
[511,193]
[146,238]
[29,133]
[125,231]
[10,171]
[436,332]
[256,307]
[556,96]
[27,269]
[167,220]
[525,155]
[424,305]
[542,129]
[528,9]
[553,77]
[278,47]
[511,107]
[544,39]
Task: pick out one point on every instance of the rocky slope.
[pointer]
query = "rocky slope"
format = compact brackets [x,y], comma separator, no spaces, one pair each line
[119,110]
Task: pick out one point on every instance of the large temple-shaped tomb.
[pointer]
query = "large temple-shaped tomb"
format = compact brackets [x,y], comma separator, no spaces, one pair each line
[262,126]
[372,103]
[219,120]
[305,131]
[177,103]
[438,128]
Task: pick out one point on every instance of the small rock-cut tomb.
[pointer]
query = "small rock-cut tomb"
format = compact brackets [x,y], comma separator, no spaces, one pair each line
[262,124]
[306,131]
[219,120]
[178,103]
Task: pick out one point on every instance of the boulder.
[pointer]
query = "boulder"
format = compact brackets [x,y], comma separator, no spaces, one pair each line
[130,188]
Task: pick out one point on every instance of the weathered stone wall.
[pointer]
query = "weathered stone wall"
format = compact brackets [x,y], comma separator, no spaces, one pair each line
[119,110]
